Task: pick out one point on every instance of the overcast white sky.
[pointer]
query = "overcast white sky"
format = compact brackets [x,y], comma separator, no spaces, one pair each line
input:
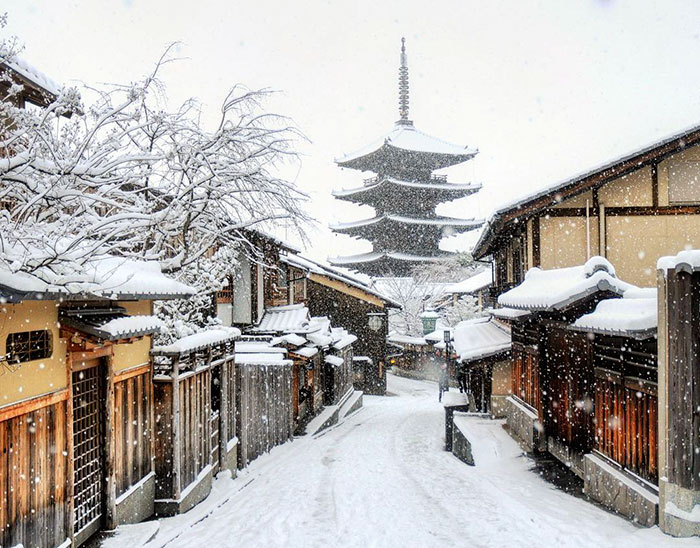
[544,89]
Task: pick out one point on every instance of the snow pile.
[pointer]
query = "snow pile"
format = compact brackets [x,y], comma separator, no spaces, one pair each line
[337,361]
[688,261]
[199,340]
[634,314]
[480,338]
[132,324]
[556,289]
[472,284]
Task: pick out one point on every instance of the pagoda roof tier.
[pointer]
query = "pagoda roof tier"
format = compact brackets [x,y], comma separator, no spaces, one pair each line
[378,189]
[406,149]
[379,263]
[365,227]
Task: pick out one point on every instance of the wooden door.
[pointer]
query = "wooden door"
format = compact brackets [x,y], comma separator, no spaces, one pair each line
[88,454]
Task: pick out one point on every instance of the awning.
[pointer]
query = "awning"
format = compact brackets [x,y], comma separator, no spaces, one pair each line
[109,324]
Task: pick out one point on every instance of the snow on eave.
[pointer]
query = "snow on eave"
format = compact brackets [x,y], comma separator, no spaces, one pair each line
[407,339]
[479,339]
[131,326]
[333,360]
[526,200]
[432,221]
[685,261]
[456,187]
[34,76]
[557,289]
[261,359]
[344,341]
[506,313]
[634,315]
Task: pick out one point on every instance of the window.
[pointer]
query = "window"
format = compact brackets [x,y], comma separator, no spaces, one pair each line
[684,183]
[28,345]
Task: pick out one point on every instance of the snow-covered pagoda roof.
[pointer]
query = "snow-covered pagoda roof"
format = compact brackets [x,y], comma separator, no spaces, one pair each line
[480,338]
[556,289]
[473,283]
[635,315]
[406,143]
[381,262]
[441,188]
[383,221]
[593,178]
[105,277]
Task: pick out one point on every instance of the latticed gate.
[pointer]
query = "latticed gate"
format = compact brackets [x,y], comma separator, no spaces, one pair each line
[88,442]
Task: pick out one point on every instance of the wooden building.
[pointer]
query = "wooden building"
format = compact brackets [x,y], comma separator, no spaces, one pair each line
[76,401]
[623,355]
[351,304]
[650,191]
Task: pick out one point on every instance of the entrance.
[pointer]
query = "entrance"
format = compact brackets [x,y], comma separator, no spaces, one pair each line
[88,453]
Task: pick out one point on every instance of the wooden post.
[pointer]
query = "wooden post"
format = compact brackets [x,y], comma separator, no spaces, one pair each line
[110,449]
[176,427]
[70,479]
[223,409]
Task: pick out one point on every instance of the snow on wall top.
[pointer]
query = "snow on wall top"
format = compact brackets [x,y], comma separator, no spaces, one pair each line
[200,340]
[131,324]
[407,339]
[480,338]
[557,288]
[633,315]
[262,359]
[474,283]
[289,338]
[333,360]
[345,340]
[33,75]
[258,347]
[306,351]
[409,138]
[688,261]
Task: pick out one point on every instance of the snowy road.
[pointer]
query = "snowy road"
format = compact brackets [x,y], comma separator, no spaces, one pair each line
[381,478]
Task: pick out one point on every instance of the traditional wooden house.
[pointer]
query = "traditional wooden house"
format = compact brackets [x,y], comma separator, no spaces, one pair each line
[477,286]
[76,400]
[650,191]
[621,471]
[482,347]
[551,406]
[349,303]
[194,385]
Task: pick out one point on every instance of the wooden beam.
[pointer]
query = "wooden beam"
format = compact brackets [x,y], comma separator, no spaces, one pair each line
[536,242]
[655,185]
[27,406]
[110,448]
[347,289]
[132,372]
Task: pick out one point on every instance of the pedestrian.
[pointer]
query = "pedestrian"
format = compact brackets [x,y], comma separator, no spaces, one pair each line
[462,378]
[443,381]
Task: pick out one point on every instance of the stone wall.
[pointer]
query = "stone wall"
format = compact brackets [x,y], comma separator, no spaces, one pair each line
[524,426]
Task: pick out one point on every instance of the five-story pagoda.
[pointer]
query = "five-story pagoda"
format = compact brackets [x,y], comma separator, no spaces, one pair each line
[406,229]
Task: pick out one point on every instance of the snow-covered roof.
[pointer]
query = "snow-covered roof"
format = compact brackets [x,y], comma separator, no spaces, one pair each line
[558,288]
[457,188]
[293,318]
[509,313]
[438,335]
[611,167]
[407,137]
[373,256]
[132,324]
[345,340]
[480,338]
[403,219]
[635,315]
[473,283]
[333,360]
[335,274]
[198,341]
[363,359]
[686,261]
[407,339]
[106,277]
[306,351]
[33,75]
[429,315]
[289,338]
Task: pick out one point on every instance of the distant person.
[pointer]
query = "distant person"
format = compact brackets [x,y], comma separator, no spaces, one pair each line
[462,378]
[443,381]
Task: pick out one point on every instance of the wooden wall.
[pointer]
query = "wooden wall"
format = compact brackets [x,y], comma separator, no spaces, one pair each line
[133,397]
[264,409]
[34,476]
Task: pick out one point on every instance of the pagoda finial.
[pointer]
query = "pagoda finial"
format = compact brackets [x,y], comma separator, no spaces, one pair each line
[403,86]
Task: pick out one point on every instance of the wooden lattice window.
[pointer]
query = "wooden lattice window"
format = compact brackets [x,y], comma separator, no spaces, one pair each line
[26,346]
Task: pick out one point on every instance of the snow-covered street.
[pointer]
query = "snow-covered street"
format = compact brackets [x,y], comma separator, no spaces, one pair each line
[381,478]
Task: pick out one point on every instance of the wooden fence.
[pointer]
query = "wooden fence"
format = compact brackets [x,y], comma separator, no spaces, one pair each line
[264,411]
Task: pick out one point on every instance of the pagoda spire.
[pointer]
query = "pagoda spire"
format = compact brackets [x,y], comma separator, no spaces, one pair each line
[403,87]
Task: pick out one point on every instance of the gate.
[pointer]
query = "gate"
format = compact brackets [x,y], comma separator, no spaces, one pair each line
[88,441]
